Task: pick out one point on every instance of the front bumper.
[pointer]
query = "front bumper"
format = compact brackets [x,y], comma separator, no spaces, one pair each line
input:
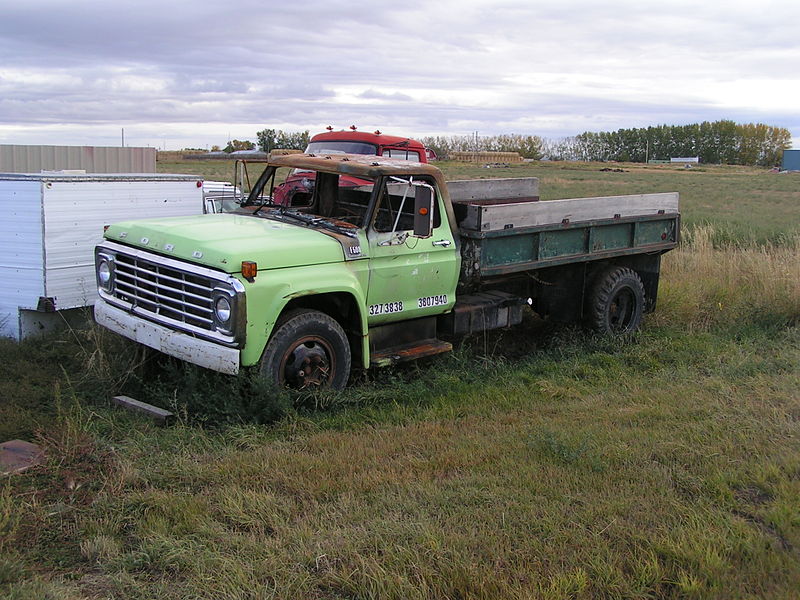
[186,347]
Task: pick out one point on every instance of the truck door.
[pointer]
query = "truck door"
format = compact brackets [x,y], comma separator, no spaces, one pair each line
[409,276]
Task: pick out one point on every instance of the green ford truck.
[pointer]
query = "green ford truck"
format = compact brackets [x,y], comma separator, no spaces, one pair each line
[375,261]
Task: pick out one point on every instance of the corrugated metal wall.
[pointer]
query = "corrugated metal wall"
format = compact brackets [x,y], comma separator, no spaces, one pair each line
[74,216]
[791,160]
[92,159]
[21,251]
[51,223]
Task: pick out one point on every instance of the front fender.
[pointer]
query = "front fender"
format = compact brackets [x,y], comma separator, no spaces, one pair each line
[272,290]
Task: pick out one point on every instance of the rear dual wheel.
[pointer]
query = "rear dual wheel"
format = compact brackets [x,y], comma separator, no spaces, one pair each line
[616,301]
[308,350]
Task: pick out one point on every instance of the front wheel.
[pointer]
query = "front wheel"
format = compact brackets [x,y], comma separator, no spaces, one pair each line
[308,350]
[616,301]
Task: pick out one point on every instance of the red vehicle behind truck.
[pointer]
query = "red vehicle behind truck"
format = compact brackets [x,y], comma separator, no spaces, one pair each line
[350,141]
[360,142]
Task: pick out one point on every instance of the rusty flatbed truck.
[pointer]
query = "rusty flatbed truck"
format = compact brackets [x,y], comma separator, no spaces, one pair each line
[378,273]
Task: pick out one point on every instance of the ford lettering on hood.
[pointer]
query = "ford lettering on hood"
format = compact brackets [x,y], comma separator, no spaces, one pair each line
[224,241]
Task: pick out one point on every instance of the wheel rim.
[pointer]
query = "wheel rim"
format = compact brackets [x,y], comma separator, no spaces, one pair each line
[309,362]
[621,310]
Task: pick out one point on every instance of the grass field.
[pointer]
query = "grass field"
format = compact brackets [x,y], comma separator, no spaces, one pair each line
[540,462]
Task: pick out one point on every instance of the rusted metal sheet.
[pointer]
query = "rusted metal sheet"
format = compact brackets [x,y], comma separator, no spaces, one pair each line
[17,456]
[357,165]
[482,311]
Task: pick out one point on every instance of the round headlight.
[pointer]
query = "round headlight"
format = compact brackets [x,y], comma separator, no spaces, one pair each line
[104,274]
[222,309]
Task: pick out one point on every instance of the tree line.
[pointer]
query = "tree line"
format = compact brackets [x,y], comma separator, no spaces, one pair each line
[269,139]
[528,146]
[718,142]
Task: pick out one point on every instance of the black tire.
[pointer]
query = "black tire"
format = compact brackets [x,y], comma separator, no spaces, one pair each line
[616,302]
[307,350]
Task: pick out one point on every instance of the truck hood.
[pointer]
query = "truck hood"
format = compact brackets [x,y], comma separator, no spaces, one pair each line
[223,241]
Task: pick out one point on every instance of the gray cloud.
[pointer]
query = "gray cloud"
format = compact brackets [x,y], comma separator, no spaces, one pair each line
[372,94]
[192,70]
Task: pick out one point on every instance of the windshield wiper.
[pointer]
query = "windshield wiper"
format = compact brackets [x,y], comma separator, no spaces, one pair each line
[269,203]
[313,221]
[307,219]
[338,229]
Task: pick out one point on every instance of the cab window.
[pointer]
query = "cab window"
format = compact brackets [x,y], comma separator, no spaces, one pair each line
[394,210]
[401,153]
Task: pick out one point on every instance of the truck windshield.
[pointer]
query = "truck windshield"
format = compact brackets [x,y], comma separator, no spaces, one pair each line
[319,200]
[334,147]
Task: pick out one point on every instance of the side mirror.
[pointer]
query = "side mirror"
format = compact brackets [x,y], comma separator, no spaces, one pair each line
[423,211]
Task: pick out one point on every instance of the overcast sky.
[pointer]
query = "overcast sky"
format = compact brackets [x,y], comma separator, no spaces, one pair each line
[176,73]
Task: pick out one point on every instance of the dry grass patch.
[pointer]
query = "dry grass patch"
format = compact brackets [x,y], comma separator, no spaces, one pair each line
[734,285]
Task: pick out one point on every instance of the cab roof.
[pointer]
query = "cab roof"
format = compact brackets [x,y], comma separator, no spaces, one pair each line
[358,165]
[369,137]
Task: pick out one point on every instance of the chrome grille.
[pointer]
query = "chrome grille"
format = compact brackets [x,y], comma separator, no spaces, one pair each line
[165,291]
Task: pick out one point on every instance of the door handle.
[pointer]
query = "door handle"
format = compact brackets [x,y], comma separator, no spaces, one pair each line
[442,243]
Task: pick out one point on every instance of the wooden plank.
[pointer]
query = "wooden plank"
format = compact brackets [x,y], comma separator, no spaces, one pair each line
[553,212]
[159,415]
[463,190]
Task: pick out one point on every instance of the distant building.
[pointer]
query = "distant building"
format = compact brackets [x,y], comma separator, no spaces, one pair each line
[16,158]
[791,160]
[689,159]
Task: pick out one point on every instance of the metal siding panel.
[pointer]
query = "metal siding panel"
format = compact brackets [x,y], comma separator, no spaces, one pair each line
[34,159]
[564,242]
[21,269]
[511,250]
[106,162]
[654,232]
[75,213]
[791,160]
[610,237]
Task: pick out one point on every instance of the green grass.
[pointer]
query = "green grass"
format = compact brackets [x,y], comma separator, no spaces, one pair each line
[667,467]
[540,462]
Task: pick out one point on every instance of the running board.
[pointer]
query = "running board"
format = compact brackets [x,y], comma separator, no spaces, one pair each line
[420,349]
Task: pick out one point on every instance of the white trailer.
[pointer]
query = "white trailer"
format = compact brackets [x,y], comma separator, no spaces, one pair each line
[221,196]
[49,226]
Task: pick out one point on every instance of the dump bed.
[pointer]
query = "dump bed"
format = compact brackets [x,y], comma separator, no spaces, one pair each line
[517,232]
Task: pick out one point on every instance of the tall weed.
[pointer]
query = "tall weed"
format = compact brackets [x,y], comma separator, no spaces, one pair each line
[109,361]
[733,286]
[9,516]
[197,394]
